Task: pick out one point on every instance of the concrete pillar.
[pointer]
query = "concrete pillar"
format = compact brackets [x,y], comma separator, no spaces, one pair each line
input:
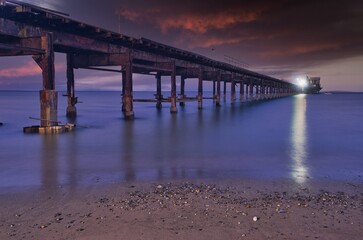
[251,91]
[182,91]
[128,90]
[242,91]
[274,90]
[218,97]
[214,90]
[72,100]
[233,90]
[48,96]
[200,89]
[224,90]
[48,108]
[263,91]
[173,99]
[247,91]
[158,95]
[123,106]
[258,89]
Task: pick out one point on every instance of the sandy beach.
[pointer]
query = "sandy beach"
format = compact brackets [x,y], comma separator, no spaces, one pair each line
[186,210]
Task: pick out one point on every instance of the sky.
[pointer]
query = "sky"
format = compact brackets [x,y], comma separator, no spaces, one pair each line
[281,38]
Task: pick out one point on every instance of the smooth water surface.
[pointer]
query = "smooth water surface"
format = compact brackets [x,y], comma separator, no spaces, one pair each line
[299,138]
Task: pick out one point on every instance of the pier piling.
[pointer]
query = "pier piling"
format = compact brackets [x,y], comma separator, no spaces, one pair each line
[48,96]
[200,89]
[72,100]
[128,90]
[173,98]
[159,96]
[182,91]
[242,91]
[218,97]
[233,90]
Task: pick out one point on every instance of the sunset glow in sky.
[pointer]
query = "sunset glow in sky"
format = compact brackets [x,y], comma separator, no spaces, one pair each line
[284,39]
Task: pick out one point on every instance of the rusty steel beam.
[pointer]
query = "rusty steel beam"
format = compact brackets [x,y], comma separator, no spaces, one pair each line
[100,59]
[14,50]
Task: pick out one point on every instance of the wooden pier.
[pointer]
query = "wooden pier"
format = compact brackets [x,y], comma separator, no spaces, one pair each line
[30,30]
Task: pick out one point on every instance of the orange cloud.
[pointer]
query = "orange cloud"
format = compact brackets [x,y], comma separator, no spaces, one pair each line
[212,42]
[204,23]
[29,69]
[194,22]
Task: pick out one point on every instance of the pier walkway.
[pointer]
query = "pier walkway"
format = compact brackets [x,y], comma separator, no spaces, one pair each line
[31,30]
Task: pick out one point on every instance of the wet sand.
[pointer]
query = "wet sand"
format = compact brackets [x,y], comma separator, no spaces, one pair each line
[186,210]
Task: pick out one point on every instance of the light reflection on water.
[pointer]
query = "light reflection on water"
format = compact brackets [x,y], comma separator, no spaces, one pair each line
[299,140]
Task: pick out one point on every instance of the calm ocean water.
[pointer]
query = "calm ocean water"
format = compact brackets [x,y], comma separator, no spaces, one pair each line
[300,138]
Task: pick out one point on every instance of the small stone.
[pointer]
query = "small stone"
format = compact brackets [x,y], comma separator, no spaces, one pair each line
[255,219]
[159,187]
[281,211]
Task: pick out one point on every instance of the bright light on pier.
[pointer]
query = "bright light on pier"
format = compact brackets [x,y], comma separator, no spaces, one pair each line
[302,82]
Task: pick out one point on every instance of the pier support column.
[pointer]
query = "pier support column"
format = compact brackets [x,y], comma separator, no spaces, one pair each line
[218,97]
[258,90]
[251,91]
[214,90]
[48,108]
[128,89]
[123,72]
[182,91]
[72,100]
[200,89]
[233,90]
[48,96]
[242,91]
[173,108]
[247,91]
[224,90]
[158,95]
[273,91]
[269,89]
